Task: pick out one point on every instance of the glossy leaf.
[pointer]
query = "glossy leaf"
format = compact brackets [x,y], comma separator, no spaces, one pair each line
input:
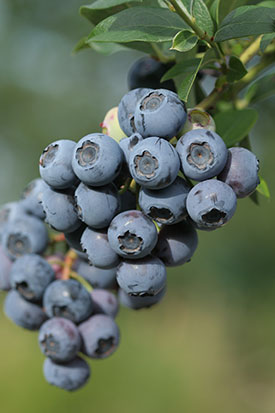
[202,16]
[101,9]
[186,85]
[236,70]
[184,41]
[266,40]
[186,66]
[214,11]
[261,89]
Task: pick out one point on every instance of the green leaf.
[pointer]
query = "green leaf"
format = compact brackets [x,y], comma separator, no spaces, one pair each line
[234,125]
[236,70]
[267,3]
[262,188]
[81,44]
[227,6]
[214,11]
[106,4]
[184,41]
[246,21]
[138,24]
[186,66]
[202,16]
[101,9]
[261,89]
[186,85]
[266,40]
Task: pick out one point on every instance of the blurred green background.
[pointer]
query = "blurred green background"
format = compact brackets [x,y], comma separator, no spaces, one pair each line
[210,345]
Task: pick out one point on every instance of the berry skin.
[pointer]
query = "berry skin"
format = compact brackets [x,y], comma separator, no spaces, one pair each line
[166,206]
[143,277]
[10,212]
[241,172]
[154,163]
[23,236]
[105,302]
[211,203]
[73,239]
[100,336]
[22,312]
[136,303]
[5,268]
[132,235]
[97,247]
[198,119]
[97,159]
[110,125]
[55,164]
[97,277]
[70,376]
[98,205]
[32,196]
[203,154]
[127,107]
[60,209]
[59,339]
[176,244]
[147,72]
[30,276]
[68,299]
[128,144]
[160,113]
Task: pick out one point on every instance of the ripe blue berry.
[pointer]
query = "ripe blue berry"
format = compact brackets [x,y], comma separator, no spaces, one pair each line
[160,113]
[143,277]
[69,376]
[128,144]
[136,303]
[211,203]
[68,299]
[154,163]
[203,154]
[10,212]
[59,339]
[23,313]
[32,196]
[73,239]
[241,172]
[5,268]
[30,276]
[100,336]
[105,302]
[98,205]
[97,277]
[132,235]
[97,159]
[165,206]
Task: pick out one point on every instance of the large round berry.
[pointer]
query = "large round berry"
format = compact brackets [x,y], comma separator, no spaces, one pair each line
[136,302]
[241,172]
[160,113]
[132,235]
[97,159]
[128,144]
[211,203]
[203,154]
[105,302]
[97,277]
[154,163]
[165,206]
[5,268]
[32,196]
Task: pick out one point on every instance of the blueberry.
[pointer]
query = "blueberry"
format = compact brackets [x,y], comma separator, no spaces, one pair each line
[55,164]
[32,196]
[98,205]
[70,376]
[160,113]
[136,303]
[68,299]
[143,277]
[97,159]
[128,144]
[30,276]
[10,212]
[147,72]
[97,277]
[176,244]
[198,119]
[241,172]
[73,238]
[24,236]
[5,268]
[127,107]
[211,203]
[23,313]
[59,339]
[154,163]
[203,154]
[165,206]
[97,247]
[105,302]
[100,336]
[60,209]
[132,235]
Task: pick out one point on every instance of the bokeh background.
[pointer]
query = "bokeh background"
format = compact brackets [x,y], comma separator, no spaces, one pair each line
[210,345]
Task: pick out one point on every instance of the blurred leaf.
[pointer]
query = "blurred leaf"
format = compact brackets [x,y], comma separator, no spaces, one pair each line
[266,40]
[227,6]
[234,125]
[103,48]
[186,85]
[261,89]
[262,188]
[214,11]
[267,3]
[138,24]
[184,41]
[237,69]
[100,10]
[82,44]
[186,66]
[254,198]
[106,4]
[246,21]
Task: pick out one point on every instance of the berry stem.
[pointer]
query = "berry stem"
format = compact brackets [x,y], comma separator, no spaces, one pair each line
[126,186]
[69,261]
[251,50]
[81,280]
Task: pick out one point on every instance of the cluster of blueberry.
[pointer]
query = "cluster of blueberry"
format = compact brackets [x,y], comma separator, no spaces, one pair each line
[127,208]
